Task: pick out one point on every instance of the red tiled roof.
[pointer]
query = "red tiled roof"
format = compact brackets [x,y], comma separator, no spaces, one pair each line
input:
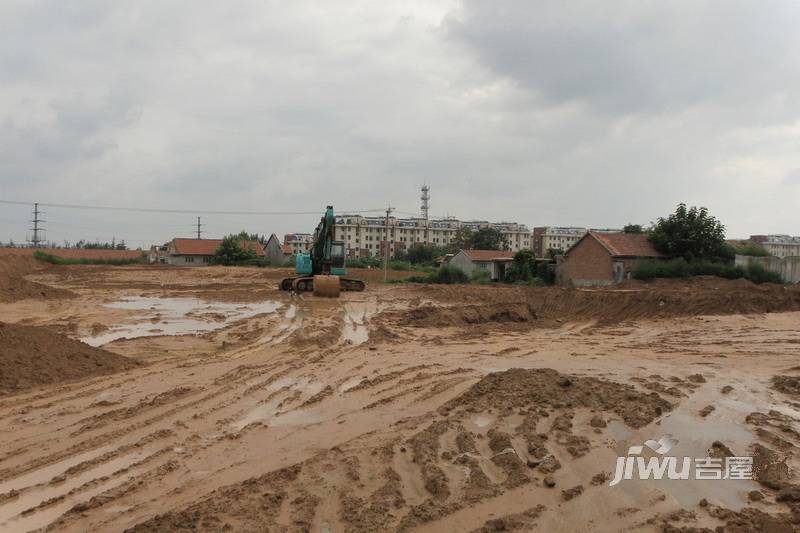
[489,255]
[626,244]
[287,249]
[209,246]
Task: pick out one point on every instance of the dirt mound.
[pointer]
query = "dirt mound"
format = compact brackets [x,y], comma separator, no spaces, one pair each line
[434,315]
[551,306]
[789,385]
[518,388]
[31,356]
[14,286]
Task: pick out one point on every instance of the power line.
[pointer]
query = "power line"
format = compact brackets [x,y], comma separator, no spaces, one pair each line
[184,211]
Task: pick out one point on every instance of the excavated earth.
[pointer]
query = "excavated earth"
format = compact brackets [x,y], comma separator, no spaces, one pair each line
[204,399]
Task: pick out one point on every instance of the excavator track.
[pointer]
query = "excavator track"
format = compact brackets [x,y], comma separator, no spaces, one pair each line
[306,284]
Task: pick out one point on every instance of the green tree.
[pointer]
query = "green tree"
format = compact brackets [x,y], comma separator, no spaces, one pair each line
[244,236]
[462,239]
[690,233]
[523,267]
[633,228]
[424,253]
[231,252]
[488,239]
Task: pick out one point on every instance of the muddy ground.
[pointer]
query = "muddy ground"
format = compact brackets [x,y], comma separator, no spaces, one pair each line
[233,406]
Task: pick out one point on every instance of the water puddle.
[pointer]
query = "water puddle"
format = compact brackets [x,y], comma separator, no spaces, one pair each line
[355,329]
[694,440]
[482,421]
[177,316]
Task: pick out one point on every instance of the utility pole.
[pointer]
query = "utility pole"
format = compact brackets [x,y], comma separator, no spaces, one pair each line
[386,252]
[199,231]
[36,239]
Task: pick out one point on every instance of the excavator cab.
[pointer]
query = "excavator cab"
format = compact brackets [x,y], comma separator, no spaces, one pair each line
[337,258]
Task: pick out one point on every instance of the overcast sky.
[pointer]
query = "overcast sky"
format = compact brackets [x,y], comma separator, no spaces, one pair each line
[591,113]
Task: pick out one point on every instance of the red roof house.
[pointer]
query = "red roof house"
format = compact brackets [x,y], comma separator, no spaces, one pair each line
[604,258]
[201,251]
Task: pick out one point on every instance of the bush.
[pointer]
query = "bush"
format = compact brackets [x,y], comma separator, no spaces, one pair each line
[546,272]
[480,276]
[445,274]
[56,260]
[364,262]
[758,274]
[752,249]
[394,264]
[449,275]
[680,268]
[533,282]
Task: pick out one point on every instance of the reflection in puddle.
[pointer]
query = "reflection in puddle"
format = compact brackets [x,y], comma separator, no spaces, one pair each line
[177,316]
[355,328]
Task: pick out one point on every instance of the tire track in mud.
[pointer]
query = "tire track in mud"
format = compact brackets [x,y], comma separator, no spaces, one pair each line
[226,383]
[99,440]
[230,379]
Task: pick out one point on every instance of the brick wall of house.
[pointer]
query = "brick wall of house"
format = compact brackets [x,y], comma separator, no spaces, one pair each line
[587,263]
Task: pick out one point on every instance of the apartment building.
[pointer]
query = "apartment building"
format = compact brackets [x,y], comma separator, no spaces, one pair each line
[298,242]
[546,238]
[366,236]
[779,245]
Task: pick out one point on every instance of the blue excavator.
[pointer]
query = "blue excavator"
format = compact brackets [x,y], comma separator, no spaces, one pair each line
[322,269]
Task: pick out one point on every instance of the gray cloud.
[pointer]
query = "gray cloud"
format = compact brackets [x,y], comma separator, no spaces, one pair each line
[537,112]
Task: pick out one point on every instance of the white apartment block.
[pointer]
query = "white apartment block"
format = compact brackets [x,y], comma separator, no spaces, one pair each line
[782,245]
[364,236]
[560,237]
[299,242]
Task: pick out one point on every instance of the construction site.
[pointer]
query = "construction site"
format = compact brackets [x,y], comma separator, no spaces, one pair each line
[158,398]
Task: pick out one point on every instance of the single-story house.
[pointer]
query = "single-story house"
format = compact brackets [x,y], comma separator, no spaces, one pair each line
[197,252]
[277,254]
[496,262]
[599,259]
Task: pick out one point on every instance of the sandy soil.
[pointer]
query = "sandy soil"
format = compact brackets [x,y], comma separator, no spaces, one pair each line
[402,408]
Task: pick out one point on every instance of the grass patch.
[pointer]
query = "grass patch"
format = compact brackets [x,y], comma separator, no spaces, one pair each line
[680,268]
[57,260]
[394,264]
